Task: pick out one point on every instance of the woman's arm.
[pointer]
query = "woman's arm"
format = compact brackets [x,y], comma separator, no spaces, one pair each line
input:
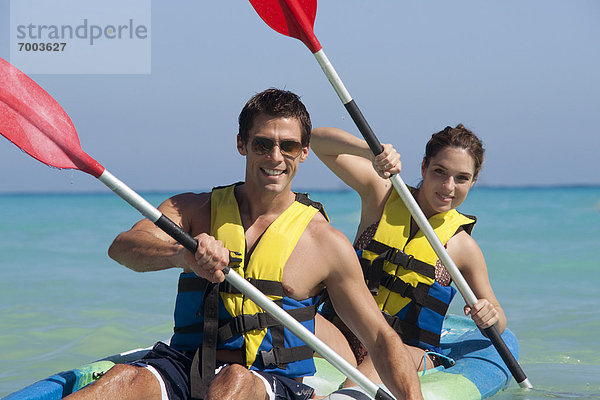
[470,261]
[351,159]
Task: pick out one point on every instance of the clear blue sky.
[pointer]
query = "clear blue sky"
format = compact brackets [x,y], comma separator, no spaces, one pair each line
[524,75]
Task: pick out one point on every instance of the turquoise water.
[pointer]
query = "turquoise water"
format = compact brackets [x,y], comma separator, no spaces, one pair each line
[64,303]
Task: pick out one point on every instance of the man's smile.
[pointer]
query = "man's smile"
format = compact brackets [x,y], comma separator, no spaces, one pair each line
[272,172]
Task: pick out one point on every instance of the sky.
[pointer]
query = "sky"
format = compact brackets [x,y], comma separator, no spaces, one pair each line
[523,75]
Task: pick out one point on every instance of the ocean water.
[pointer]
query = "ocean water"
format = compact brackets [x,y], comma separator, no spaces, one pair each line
[64,303]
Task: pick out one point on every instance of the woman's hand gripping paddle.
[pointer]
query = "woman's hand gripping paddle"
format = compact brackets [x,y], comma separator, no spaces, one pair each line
[37,124]
[295,18]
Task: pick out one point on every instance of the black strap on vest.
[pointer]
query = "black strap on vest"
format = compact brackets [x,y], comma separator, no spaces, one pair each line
[419,294]
[375,276]
[303,198]
[205,358]
[411,333]
[374,272]
[203,364]
[279,356]
[192,284]
[197,284]
[271,288]
[246,323]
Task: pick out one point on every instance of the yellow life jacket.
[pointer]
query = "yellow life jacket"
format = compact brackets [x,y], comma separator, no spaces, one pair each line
[268,345]
[400,271]
[266,264]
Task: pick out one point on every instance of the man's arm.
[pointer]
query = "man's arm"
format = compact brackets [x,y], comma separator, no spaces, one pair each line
[145,247]
[357,308]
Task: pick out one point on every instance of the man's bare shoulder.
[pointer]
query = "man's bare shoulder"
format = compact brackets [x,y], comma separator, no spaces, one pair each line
[190,210]
[189,200]
[327,239]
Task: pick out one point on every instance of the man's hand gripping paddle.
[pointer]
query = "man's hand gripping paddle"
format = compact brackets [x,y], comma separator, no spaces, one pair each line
[295,18]
[37,124]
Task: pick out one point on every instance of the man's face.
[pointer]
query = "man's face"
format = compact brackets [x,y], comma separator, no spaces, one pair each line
[273,152]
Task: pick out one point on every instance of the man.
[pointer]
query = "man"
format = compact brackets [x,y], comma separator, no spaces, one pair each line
[279,241]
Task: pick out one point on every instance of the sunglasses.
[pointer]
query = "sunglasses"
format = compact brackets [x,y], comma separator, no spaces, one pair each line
[288,148]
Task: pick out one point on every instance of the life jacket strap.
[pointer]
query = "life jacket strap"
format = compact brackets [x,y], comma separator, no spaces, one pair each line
[400,258]
[246,323]
[303,198]
[373,274]
[192,284]
[197,284]
[410,332]
[270,288]
[419,294]
[202,371]
[279,357]
[203,364]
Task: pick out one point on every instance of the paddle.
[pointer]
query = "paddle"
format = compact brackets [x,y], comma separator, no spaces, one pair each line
[36,123]
[295,18]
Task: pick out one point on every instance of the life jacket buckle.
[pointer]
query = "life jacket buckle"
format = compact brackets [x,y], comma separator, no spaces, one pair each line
[387,280]
[235,258]
[393,321]
[246,323]
[390,255]
[374,290]
[268,358]
[409,261]
[372,273]
[400,258]
[396,285]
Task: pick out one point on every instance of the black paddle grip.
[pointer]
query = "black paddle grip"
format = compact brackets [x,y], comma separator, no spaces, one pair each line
[185,239]
[175,231]
[510,361]
[383,395]
[363,127]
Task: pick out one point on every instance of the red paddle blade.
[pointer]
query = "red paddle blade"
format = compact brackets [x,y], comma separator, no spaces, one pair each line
[294,18]
[36,123]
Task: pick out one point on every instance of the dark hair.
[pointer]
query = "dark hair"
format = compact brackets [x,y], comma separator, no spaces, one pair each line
[459,137]
[276,103]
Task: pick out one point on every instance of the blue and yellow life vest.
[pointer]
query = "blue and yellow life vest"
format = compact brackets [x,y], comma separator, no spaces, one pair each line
[268,345]
[400,272]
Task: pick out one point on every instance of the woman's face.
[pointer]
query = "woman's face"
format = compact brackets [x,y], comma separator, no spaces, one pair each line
[446,180]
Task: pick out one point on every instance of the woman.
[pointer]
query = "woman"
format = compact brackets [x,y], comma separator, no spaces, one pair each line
[389,241]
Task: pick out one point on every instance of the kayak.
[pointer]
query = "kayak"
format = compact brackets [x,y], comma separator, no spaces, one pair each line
[478,371]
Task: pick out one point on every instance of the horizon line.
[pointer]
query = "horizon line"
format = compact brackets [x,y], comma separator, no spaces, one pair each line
[301,189]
